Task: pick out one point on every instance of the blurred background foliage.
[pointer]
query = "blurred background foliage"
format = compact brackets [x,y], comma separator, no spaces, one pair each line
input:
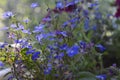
[107,30]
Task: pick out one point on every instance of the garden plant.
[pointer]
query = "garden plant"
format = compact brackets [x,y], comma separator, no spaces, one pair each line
[68,43]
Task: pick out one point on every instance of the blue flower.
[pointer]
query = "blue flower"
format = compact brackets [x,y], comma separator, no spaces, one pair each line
[85,13]
[73,51]
[1,64]
[34,5]
[86,24]
[64,47]
[59,56]
[4,28]
[8,14]
[98,15]
[35,55]
[82,44]
[13,26]
[64,33]
[101,77]
[26,31]
[59,4]
[40,37]
[47,71]
[26,21]
[30,51]
[100,48]
[2,45]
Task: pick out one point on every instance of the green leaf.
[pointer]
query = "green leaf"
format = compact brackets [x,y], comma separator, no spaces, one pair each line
[86,76]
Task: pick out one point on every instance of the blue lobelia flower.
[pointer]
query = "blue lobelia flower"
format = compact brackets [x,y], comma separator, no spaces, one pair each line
[59,56]
[64,47]
[8,14]
[73,50]
[30,51]
[39,37]
[2,45]
[97,14]
[59,5]
[101,77]
[47,71]
[83,44]
[34,5]
[39,28]
[13,26]
[86,24]
[26,21]
[1,64]
[100,48]
[35,55]
[26,31]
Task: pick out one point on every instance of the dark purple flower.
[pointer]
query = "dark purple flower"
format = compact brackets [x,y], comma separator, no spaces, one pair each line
[117,2]
[117,14]
[71,6]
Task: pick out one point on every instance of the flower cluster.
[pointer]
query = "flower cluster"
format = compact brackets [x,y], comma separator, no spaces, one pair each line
[61,45]
[117,14]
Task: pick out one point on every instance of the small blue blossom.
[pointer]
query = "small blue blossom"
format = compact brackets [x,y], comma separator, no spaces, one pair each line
[2,45]
[59,4]
[18,41]
[13,26]
[8,14]
[86,24]
[73,50]
[85,13]
[30,51]
[100,48]
[97,14]
[63,33]
[1,64]
[34,5]
[35,55]
[83,44]
[40,37]
[47,71]
[26,31]
[26,21]
[4,28]
[64,47]
[39,28]
[59,56]
[101,77]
